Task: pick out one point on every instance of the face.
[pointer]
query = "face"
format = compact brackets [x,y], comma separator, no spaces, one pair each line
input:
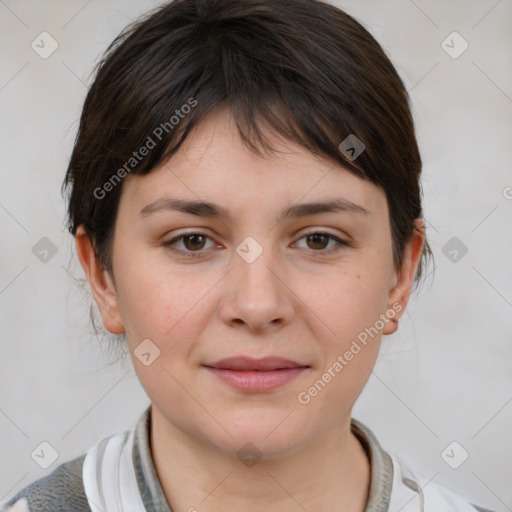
[254,273]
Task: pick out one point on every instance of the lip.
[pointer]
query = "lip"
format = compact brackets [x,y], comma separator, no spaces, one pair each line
[244,363]
[256,375]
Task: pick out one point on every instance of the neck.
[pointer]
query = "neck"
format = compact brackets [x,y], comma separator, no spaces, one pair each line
[333,473]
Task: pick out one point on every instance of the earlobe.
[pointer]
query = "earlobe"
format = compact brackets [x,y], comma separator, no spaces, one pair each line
[399,294]
[100,282]
[391,326]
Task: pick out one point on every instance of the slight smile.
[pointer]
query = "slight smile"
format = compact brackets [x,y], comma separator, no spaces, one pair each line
[256,375]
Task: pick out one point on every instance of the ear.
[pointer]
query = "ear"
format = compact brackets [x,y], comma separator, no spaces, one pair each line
[400,292]
[101,283]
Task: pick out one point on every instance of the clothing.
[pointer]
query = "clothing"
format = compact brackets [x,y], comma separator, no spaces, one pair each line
[118,475]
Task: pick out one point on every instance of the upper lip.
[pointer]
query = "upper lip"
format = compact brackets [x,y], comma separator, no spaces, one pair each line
[244,363]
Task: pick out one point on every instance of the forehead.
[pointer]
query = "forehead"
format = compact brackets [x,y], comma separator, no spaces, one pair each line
[213,165]
[216,142]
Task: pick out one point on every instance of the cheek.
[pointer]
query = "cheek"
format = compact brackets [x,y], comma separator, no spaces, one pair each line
[351,305]
[346,324]
[168,307]
[170,314]
[349,301]
[152,295]
[160,309]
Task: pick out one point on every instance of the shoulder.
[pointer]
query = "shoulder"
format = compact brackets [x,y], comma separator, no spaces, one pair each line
[60,491]
[394,487]
[413,491]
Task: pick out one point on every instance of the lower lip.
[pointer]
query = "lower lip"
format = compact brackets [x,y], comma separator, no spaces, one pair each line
[257,381]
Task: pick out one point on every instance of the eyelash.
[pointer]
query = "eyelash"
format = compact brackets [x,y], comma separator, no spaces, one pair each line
[194,254]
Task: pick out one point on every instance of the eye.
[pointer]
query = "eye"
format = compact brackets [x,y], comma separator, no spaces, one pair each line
[318,241]
[193,243]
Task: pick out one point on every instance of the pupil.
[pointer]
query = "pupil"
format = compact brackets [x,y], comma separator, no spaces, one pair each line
[194,239]
[315,238]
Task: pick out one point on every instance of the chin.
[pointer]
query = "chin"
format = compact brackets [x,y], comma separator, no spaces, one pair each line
[272,437]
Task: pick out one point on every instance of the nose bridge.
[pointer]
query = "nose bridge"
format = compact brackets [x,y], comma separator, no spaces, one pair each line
[258,295]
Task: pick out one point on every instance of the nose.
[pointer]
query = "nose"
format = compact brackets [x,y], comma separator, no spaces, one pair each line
[257,294]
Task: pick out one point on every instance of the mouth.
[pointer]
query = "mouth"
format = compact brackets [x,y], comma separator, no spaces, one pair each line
[256,375]
[244,363]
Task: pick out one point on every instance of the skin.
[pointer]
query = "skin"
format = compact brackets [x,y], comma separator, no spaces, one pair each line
[296,300]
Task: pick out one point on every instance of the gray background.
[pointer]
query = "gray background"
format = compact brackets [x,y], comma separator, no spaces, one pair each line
[445,376]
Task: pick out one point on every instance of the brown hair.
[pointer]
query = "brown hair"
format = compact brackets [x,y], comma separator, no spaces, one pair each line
[303,68]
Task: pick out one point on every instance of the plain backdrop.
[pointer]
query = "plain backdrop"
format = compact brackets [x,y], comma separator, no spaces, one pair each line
[445,377]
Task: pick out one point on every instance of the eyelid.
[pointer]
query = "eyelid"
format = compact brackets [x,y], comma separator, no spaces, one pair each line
[170,243]
[340,242]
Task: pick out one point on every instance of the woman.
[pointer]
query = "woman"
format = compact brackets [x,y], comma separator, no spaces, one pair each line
[245,198]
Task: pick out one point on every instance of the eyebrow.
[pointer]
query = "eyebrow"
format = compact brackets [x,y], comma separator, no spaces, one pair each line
[207,209]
